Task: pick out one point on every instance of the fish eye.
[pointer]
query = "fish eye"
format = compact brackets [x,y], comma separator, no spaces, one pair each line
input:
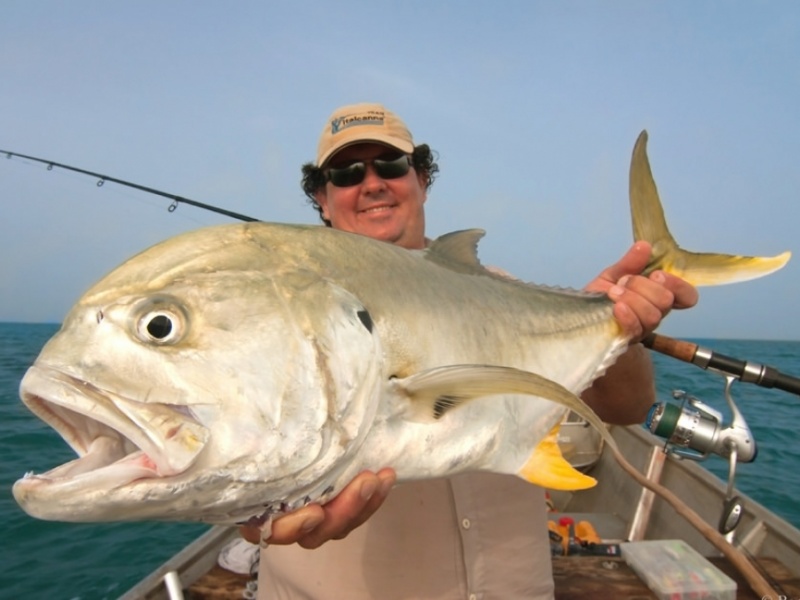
[160,327]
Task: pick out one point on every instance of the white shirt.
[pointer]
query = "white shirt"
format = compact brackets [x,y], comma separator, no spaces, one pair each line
[476,536]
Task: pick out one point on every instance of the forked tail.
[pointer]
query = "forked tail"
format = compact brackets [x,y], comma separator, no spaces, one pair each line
[698,268]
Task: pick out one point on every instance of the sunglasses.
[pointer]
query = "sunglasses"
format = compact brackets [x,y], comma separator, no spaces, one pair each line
[354,173]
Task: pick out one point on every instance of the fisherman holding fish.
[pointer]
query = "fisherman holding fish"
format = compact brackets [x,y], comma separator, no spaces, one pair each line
[474,535]
[268,375]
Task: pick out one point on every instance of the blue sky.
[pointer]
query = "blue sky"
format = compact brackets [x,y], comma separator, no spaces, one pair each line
[533,108]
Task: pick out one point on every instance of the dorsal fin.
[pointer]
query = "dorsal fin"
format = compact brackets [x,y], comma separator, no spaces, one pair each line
[457,251]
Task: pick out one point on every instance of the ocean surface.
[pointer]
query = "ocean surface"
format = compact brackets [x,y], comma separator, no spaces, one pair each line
[87,562]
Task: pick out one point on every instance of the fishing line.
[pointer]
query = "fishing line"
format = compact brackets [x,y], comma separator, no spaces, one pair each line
[101,180]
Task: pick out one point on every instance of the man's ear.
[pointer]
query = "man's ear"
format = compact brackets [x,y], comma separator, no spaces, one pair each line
[322,200]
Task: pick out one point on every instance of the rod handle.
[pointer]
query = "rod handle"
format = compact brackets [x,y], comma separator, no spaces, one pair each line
[679,349]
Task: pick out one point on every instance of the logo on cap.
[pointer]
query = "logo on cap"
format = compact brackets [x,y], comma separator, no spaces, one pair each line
[371,118]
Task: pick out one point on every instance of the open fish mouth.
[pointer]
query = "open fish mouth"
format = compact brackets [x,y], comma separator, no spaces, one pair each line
[118,440]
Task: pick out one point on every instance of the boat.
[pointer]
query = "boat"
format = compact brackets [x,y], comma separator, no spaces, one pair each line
[619,509]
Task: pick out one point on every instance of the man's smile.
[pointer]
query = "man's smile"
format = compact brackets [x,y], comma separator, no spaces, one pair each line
[377,209]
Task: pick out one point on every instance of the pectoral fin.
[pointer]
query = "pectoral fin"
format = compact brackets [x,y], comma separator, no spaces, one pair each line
[697,268]
[433,393]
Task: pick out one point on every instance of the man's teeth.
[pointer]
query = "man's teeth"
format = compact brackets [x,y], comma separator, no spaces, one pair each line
[377,209]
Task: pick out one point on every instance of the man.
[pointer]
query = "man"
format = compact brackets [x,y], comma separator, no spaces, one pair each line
[476,535]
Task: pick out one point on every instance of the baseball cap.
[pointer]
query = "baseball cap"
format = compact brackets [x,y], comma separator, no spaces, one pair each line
[357,123]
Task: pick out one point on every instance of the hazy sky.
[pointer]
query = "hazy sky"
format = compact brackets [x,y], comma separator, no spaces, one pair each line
[533,108]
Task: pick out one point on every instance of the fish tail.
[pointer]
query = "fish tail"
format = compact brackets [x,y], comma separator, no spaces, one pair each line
[649,224]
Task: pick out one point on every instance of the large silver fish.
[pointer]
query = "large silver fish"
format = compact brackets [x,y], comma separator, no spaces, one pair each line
[238,371]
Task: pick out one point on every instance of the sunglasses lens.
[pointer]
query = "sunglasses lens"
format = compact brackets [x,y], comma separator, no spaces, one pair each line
[347,176]
[385,168]
[392,168]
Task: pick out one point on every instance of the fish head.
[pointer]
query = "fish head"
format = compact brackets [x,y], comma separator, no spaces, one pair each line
[204,394]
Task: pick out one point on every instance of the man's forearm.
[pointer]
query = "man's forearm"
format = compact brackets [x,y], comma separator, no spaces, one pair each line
[625,393]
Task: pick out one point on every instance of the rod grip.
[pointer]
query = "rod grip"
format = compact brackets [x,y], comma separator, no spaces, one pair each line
[680,349]
[745,371]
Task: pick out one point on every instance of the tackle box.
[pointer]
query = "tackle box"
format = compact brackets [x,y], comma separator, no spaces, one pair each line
[675,571]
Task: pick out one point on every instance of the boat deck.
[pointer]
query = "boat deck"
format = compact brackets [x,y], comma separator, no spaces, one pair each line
[576,578]
[601,578]
[218,584]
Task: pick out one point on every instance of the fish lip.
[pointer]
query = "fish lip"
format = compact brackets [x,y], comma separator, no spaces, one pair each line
[102,428]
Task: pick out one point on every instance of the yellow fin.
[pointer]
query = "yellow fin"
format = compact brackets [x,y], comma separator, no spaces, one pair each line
[697,268]
[547,467]
[717,269]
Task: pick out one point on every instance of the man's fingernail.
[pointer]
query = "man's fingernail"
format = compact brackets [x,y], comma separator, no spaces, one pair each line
[386,486]
[368,489]
[310,524]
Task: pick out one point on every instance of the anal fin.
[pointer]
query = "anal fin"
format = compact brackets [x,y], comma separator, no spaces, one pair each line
[547,467]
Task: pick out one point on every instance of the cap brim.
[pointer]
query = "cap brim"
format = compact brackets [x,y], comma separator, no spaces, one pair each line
[386,140]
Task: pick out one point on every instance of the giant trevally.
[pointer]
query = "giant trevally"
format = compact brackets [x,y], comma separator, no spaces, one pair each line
[239,371]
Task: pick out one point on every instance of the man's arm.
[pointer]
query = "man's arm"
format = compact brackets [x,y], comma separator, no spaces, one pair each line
[626,392]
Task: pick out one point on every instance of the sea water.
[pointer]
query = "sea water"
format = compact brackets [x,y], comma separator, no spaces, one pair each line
[88,561]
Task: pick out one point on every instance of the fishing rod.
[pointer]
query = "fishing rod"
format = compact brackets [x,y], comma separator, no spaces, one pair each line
[103,178]
[743,370]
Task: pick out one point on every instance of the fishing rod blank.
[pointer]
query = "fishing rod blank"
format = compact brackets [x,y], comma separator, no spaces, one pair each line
[103,178]
[744,370]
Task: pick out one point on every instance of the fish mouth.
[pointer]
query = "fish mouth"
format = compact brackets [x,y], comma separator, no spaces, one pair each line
[118,440]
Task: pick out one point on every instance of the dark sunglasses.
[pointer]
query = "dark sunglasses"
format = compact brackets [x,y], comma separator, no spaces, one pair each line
[354,173]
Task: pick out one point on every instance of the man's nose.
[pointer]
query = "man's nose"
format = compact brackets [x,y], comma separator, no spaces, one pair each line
[373,181]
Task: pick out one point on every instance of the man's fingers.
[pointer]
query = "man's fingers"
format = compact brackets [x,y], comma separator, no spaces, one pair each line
[250,533]
[313,525]
[632,263]
[386,479]
[685,294]
[291,528]
[357,502]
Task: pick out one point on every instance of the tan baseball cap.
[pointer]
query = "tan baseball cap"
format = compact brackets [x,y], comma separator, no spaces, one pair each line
[356,123]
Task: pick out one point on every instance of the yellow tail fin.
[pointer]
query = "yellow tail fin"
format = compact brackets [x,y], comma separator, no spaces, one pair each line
[697,268]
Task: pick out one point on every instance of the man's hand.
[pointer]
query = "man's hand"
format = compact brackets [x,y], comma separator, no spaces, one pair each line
[640,303]
[627,390]
[313,525]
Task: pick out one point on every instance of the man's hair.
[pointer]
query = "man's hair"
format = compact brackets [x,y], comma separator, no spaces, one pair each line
[423,160]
